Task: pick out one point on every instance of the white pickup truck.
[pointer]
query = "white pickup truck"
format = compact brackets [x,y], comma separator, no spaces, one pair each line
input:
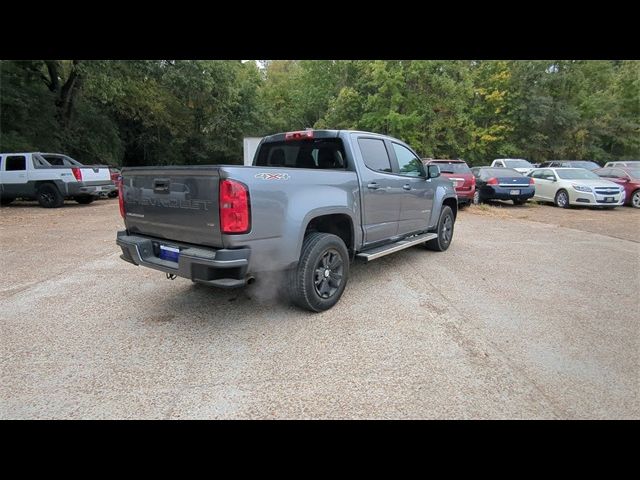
[50,178]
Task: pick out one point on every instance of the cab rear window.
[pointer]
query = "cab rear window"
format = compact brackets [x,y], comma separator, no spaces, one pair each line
[316,154]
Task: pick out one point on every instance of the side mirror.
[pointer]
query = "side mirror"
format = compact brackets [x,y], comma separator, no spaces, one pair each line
[433,171]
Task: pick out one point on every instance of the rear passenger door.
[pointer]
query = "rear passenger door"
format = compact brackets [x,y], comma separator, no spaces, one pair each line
[381,190]
[417,191]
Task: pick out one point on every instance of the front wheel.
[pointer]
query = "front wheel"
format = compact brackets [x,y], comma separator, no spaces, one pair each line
[318,281]
[519,202]
[635,199]
[6,200]
[444,231]
[562,199]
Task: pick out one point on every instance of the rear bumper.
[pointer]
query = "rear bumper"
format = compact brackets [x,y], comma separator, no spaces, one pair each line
[80,188]
[465,195]
[504,193]
[216,267]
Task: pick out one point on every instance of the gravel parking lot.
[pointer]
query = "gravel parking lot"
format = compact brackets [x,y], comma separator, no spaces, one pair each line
[532,313]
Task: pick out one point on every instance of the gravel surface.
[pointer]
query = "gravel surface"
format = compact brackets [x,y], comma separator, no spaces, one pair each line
[532,313]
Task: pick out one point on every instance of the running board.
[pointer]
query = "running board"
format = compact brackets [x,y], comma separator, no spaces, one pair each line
[395,247]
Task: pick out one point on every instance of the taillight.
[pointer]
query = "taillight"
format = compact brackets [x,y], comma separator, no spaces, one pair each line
[531,182]
[301,135]
[492,181]
[121,198]
[234,207]
[77,173]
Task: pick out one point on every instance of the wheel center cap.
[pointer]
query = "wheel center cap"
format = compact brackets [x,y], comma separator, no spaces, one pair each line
[326,273]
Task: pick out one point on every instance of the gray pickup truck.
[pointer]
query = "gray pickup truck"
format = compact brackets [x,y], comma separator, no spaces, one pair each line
[312,202]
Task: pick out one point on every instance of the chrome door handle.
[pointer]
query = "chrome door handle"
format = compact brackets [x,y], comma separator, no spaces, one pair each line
[406,187]
[373,186]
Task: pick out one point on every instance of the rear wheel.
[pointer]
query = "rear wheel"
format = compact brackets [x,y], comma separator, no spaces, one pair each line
[318,281]
[635,199]
[562,199]
[6,200]
[49,196]
[477,198]
[84,199]
[444,231]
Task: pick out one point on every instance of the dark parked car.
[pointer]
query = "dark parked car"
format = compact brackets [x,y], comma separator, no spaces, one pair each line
[494,183]
[460,174]
[570,164]
[626,177]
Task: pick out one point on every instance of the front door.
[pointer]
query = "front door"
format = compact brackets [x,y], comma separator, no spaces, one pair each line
[381,190]
[417,191]
[13,173]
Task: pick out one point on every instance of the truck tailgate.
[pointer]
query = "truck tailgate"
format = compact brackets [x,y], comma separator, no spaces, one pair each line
[95,174]
[174,203]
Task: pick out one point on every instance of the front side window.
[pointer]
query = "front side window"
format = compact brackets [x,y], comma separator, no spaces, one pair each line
[375,154]
[408,163]
[15,163]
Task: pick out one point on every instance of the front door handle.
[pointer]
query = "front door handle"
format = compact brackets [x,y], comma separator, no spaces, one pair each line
[406,186]
[373,186]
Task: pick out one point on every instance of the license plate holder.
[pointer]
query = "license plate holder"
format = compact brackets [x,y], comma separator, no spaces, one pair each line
[514,192]
[171,254]
[608,199]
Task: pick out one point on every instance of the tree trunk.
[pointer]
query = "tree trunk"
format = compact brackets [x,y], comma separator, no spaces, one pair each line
[66,93]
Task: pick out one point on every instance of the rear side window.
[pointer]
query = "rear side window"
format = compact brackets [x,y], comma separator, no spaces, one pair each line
[16,162]
[375,154]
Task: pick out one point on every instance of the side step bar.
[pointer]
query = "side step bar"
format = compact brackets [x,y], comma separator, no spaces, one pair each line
[395,247]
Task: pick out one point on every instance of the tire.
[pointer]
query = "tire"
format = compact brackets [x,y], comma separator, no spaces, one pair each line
[113,194]
[49,196]
[310,286]
[519,202]
[446,223]
[562,199]
[477,198]
[463,205]
[6,200]
[84,200]
[635,199]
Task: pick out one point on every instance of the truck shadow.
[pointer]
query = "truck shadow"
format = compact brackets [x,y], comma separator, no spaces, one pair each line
[266,299]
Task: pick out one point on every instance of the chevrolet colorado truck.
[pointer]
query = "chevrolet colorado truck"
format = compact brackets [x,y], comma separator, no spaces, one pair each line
[312,202]
[49,178]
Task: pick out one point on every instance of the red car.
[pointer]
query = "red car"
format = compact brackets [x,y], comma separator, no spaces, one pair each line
[115,178]
[627,177]
[460,174]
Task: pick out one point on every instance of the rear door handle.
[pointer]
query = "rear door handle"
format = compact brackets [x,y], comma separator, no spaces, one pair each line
[373,186]
[406,186]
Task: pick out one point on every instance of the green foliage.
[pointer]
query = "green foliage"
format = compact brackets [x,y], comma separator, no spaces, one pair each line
[165,112]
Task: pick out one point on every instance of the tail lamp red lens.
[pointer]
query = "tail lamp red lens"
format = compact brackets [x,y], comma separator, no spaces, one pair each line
[234,207]
[121,198]
[492,181]
[77,173]
[531,182]
[301,135]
